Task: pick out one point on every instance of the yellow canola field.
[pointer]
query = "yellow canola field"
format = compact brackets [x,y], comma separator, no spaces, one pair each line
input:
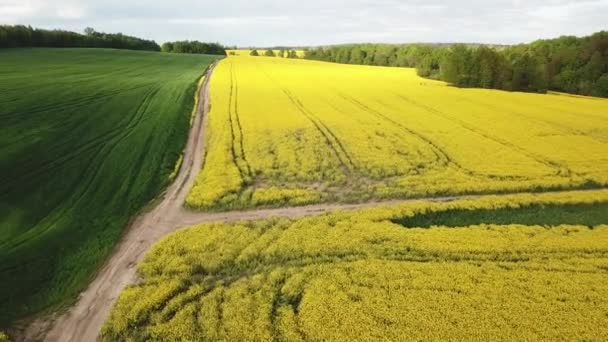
[357,276]
[289,132]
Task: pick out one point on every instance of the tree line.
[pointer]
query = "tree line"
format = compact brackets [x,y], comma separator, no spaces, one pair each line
[194,46]
[568,64]
[284,53]
[26,36]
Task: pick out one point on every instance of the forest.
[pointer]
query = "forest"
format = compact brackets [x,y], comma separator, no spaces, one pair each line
[194,46]
[26,36]
[284,53]
[577,65]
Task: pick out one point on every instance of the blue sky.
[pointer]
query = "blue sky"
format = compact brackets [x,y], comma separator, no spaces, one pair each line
[317,22]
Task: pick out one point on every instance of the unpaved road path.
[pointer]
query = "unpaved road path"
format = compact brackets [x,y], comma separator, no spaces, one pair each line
[83,321]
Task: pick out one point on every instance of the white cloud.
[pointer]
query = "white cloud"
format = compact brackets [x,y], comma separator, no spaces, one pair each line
[567,10]
[317,22]
[70,12]
[31,11]
[12,11]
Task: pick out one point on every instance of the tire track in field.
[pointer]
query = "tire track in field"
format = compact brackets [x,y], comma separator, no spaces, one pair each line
[238,123]
[88,146]
[559,168]
[442,157]
[89,175]
[94,144]
[395,134]
[73,104]
[232,149]
[334,143]
[348,165]
[441,153]
[93,171]
[565,129]
[101,155]
[75,83]
[576,115]
[125,121]
[243,171]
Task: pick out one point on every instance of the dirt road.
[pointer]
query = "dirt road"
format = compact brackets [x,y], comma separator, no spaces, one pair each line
[84,320]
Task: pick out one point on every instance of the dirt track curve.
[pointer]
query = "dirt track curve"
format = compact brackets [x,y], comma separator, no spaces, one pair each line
[83,321]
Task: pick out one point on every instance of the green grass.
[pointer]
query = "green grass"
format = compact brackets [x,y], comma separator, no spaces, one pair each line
[88,136]
[576,214]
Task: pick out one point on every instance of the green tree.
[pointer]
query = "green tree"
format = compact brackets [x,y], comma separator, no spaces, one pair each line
[425,66]
[167,47]
[269,53]
[254,52]
[486,60]
[600,88]
[357,55]
[343,54]
[369,55]
[597,64]
[456,67]
[527,75]
[26,36]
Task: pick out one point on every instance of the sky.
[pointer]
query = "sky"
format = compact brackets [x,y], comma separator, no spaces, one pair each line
[317,22]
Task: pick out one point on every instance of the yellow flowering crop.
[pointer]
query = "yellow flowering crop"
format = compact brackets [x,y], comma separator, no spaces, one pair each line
[280,127]
[357,276]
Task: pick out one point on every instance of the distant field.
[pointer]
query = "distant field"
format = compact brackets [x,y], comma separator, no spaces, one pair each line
[88,136]
[246,52]
[514,268]
[291,132]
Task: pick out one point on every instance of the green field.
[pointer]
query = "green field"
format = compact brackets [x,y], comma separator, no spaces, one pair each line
[88,136]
